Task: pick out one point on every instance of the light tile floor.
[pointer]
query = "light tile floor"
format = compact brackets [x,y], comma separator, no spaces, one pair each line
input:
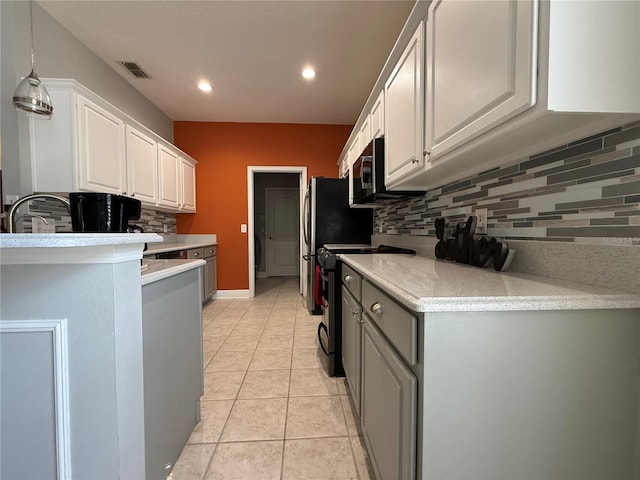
[269,410]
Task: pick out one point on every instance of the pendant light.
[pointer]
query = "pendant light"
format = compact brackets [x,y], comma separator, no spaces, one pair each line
[31,95]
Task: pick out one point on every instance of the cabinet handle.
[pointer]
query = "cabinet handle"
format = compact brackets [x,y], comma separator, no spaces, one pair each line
[347,278]
[376,308]
[196,254]
[414,159]
[425,153]
[354,313]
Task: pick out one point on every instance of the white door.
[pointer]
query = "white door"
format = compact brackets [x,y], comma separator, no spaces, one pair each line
[282,231]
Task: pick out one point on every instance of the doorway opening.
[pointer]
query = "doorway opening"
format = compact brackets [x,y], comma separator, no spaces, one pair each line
[275,197]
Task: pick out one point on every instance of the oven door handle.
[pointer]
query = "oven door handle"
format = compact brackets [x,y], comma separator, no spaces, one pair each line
[307,258]
[322,327]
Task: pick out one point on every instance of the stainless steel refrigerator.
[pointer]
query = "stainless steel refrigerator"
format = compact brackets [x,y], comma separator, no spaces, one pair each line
[329,219]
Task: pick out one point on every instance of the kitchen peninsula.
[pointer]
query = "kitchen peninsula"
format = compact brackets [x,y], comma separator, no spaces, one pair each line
[89,348]
[472,373]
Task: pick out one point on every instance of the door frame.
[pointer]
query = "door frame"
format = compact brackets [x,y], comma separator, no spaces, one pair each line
[251,170]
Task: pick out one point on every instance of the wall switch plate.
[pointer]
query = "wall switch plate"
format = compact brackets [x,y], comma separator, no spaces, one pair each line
[481,225]
[165,228]
[243,228]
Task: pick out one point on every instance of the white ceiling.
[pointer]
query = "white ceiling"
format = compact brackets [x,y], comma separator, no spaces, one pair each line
[252,52]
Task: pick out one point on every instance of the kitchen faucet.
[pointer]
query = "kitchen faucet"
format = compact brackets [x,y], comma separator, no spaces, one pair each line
[28,198]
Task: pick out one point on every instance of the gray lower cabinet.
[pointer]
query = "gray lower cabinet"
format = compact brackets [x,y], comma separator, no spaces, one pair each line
[389,407]
[172,355]
[210,272]
[210,269]
[352,344]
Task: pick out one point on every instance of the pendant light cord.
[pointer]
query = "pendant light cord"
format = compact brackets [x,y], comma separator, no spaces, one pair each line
[31,23]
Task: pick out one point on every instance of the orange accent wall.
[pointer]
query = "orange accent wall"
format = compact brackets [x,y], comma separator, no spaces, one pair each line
[224,151]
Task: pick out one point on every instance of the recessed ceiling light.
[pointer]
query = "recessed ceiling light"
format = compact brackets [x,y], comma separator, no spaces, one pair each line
[204,86]
[308,73]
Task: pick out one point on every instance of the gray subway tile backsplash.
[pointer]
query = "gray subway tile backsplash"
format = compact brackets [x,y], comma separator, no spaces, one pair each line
[151,220]
[582,192]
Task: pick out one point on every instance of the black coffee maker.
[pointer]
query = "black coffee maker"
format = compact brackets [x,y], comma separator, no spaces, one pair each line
[102,212]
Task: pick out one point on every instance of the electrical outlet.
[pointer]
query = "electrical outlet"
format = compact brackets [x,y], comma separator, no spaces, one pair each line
[243,228]
[481,226]
[165,228]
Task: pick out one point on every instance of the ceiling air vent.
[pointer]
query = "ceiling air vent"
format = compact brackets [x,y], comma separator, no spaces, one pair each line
[135,69]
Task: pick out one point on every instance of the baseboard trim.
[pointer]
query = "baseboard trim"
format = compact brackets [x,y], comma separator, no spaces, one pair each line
[231,294]
[262,275]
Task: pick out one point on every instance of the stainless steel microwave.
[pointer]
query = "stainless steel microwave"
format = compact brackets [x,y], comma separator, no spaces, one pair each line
[367,175]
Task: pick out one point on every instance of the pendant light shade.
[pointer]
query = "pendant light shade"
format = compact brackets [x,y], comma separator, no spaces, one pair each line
[31,95]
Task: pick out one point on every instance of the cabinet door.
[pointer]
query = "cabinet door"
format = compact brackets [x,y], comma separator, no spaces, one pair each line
[210,282]
[377,117]
[100,149]
[351,344]
[188,185]
[352,155]
[389,397]
[404,112]
[142,166]
[169,177]
[364,136]
[480,68]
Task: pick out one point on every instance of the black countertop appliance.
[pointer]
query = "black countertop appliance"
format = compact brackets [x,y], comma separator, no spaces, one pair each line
[102,212]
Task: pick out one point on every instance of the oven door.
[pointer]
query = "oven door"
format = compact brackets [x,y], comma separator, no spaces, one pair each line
[329,328]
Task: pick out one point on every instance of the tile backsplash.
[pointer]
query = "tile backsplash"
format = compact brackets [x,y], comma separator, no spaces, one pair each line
[585,192]
[55,214]
[571,213]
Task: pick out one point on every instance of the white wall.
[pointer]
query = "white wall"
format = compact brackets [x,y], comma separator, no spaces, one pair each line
[57,54]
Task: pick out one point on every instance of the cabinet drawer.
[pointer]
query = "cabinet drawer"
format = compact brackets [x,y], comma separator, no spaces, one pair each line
[399,325]
[195,253]
[352,280]
[210,251]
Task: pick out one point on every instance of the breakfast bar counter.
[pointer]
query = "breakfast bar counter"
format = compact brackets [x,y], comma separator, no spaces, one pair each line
[93,384]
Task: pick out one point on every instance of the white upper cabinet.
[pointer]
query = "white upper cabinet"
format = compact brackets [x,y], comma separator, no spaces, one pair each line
[480,68]
[352,155]
[91,145]
[404,112]
[377,117]
[101,149]
[364,137]
[169,175]
[502,80]
[142,166]
[188,185]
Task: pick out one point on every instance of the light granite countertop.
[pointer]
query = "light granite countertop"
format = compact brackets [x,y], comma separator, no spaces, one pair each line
[172,243]
[154,270]
[62,240]
[428,285]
